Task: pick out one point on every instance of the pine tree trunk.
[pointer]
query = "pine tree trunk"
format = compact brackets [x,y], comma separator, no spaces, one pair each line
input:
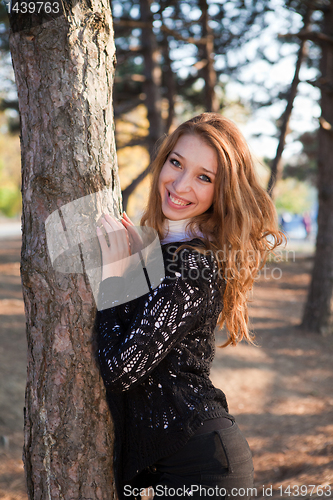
[318,314]
[64,73]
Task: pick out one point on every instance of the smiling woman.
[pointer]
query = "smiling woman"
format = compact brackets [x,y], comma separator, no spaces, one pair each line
[216,225]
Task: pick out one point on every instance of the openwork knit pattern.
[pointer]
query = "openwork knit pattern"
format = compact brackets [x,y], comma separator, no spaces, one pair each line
[155,354]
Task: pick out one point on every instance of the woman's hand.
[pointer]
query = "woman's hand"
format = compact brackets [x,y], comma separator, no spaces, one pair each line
[123,240]
[116,247]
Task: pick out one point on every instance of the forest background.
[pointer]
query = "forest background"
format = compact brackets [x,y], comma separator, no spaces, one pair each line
[178,59]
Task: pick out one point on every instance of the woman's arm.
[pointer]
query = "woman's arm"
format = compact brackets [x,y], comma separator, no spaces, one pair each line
[162,317]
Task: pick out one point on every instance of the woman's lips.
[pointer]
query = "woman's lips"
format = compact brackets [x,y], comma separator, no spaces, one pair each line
[176,205]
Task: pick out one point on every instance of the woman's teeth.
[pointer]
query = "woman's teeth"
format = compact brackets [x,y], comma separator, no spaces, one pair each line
[178,202]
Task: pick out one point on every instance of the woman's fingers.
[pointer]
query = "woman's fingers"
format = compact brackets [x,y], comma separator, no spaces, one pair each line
[125,216]
[117,236]
[114,254]
[135,237]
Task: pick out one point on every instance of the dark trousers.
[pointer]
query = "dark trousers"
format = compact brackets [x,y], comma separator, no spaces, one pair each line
[216,465]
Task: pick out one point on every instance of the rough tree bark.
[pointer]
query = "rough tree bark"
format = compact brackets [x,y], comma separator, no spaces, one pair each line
[64,74]
[318,314]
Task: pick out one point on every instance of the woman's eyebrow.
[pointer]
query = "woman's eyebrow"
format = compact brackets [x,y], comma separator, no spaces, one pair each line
[203,168]
[209,171]
[175,153]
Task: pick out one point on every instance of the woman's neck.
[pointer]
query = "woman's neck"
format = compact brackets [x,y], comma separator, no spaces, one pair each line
[176,231]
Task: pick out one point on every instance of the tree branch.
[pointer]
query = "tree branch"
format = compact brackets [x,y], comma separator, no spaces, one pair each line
[136,141]
[314,36]
[129,190]
[127,106]
[141,24]
[133,78]
[322,83]
[315,6]
[6,104]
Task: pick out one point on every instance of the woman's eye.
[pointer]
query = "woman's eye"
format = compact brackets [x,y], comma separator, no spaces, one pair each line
[175,162]
[207,179]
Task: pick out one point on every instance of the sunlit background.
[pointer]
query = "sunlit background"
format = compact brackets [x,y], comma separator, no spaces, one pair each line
[253,78]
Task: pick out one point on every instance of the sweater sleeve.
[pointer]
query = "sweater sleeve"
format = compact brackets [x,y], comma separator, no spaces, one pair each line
[127,354]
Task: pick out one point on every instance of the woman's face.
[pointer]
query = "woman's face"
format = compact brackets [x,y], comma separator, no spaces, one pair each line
[186,181]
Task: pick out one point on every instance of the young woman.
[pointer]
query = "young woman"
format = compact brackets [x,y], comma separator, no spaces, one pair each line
[217,225]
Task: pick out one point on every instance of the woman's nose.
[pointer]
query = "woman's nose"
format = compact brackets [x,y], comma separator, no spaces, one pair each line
[182,183]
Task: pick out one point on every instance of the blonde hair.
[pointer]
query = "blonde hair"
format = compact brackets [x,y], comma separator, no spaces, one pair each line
[241,222]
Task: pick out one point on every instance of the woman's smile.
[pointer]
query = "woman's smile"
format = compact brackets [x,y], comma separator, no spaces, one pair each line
[186,182]
[179,202]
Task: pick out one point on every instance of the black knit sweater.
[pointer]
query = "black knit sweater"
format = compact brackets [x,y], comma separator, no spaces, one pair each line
[155,354]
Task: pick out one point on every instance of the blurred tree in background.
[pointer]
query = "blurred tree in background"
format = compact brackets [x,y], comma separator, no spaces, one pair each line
[171,55]
[318,314]
[303,166]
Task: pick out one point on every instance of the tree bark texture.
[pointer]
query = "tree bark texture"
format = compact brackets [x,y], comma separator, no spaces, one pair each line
[318,314]
[64,74]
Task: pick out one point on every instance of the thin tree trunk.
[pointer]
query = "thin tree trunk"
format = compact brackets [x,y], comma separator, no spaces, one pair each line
[152,72]
[169,79]
[152,83]
[64,72]
[207,50]
[129,190]
[318,313]
[276,167]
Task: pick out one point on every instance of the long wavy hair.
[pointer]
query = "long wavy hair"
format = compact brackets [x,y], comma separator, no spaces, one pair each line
[240,227]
